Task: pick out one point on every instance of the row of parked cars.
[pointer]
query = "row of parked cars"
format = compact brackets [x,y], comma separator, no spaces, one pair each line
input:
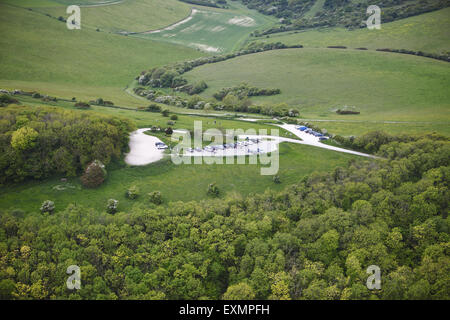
[321,136]
[213,148]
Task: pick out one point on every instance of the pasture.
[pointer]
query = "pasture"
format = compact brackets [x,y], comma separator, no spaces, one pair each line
[39,53]
[127,15]
[429,32]
[382,86]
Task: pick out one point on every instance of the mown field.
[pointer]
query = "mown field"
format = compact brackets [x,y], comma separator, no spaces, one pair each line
[215,30]
[39,53]
[382,86]
[429,32]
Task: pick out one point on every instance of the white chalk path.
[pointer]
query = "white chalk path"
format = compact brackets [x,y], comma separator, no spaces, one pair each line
[172,26]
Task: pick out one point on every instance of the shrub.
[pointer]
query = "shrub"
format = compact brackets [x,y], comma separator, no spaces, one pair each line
[347,110]
[112,206]
[197,88]
[213,190]
[168,131]
[165,113]
[276,179]
[5,99]
[155,197]
[174,117]
[132,193]
[154,108]
[170,123]
[36,95]
[94,174]
[82,105]
[48,206]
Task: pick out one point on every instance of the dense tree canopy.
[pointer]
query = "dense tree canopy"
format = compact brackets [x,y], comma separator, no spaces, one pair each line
[314,240]
[38,142]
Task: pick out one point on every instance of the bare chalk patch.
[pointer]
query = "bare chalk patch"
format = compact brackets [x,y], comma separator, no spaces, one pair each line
[205,48]
[218,29]
[242,21]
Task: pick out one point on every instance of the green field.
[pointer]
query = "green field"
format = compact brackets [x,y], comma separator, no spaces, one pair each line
[39,53]
[383,86]
[214,30]
[184,182]
[129,15]
[429,32]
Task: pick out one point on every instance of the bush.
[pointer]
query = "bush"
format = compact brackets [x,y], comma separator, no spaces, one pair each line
[5,99]
[36,95]
[168,131]
[165,113]
[154,108]
[48,206]
[170,123]
[132,193]
[82,105]
[213,190]
[347,110]
[155,197]
[94,175]
[112,206]
[174,117]
[276,179]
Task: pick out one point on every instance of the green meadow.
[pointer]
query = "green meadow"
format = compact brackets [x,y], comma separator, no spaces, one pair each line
[129,15]
[182,182]
[214,30]
[39,53]
[429,32]
[382,86]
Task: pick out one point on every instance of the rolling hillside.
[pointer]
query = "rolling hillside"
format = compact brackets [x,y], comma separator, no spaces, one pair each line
[383,86]
[39,53]
[126,15]
[213,30]
[429,32]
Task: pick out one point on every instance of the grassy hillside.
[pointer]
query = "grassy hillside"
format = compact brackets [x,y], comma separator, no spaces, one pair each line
[347,13]
[214,30]
[428,32]
[39,53]
[129,15]
[383,86]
